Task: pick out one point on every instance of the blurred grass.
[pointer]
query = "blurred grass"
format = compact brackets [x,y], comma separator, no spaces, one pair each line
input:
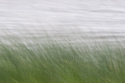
[53,62]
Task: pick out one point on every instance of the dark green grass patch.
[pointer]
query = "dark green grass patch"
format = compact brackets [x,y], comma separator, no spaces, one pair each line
[53,62]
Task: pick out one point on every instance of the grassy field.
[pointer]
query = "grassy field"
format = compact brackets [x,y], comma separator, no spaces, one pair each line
[54,62]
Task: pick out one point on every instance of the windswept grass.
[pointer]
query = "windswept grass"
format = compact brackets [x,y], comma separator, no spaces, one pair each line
[53,62]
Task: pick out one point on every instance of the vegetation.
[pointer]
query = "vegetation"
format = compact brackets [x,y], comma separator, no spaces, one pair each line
[54,62]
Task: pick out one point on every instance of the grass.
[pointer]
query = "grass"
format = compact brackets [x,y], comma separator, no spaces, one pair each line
[54,62]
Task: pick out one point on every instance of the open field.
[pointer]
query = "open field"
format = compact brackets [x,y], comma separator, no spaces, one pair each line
[62,41]
[51,61]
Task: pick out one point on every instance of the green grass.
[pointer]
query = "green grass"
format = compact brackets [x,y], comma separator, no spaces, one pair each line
[54,62]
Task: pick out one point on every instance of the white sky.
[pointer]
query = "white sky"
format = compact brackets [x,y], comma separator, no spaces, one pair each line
[95,15]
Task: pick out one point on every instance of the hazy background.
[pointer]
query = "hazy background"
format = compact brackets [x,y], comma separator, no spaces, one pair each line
[95,19]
